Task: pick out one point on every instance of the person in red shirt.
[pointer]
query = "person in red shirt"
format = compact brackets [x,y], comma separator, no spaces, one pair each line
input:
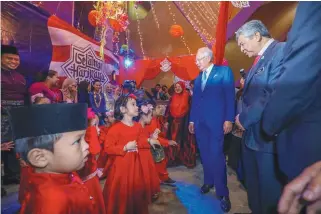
[124,191]
[90,173]
[45,88]
[50,138]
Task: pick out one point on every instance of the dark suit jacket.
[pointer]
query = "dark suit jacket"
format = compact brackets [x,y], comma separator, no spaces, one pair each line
[294,110]
[215,104]
[256,95]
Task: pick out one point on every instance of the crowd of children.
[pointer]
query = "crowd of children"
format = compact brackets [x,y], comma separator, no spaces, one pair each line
[64,154]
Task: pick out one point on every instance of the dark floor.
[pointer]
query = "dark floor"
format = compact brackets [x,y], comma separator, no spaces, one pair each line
[182,199]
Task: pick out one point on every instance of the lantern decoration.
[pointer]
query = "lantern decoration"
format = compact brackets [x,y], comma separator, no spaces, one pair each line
[92,17]
[113,14]
[166,65]
[240,4]
[176,31]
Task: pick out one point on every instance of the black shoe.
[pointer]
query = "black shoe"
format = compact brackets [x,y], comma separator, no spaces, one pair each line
[169,181]
[206,188]
[225,204]
[3,192]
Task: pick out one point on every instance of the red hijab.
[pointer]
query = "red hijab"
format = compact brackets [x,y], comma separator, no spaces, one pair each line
[179,104]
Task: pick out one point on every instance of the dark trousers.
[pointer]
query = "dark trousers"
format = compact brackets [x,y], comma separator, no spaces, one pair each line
[11,164]
[210,143]
[233,146]
[263,180]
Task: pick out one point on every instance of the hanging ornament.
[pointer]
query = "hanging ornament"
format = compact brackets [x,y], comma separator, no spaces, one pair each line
[176,31]
[166,65]
[92,17]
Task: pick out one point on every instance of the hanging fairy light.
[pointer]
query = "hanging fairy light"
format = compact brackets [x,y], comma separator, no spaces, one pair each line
[174,21]
[205,14]
[140,34]
[154,14]
[113,14]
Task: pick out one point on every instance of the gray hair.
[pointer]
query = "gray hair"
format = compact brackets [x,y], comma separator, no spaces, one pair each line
[250,28]
[25,145]
[206,52]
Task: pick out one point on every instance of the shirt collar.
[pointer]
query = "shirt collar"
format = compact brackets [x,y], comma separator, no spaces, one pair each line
[208,70]
[265,47]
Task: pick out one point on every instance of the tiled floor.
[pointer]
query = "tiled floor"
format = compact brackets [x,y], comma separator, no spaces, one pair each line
[185,198]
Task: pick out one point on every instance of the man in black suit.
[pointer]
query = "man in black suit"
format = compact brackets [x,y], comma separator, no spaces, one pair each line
[262,178]
[293,113]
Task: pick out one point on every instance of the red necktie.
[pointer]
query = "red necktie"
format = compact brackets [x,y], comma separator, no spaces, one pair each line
[257,58]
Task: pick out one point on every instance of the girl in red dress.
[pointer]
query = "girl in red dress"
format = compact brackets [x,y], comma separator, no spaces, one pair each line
[102,160]
[124,191]
[161,167]
[90,173]
[149,170]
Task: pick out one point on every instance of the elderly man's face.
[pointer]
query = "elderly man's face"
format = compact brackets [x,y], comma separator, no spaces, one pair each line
[202,60]
[10,61]
[249,46]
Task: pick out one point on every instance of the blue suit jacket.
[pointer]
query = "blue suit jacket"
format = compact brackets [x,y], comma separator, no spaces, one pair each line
[294,110]
[216,103]
[256,95]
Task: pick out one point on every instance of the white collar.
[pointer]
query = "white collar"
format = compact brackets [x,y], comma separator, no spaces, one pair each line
[265,47]
[208,70]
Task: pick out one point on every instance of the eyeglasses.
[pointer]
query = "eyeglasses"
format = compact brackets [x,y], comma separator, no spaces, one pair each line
[199,59]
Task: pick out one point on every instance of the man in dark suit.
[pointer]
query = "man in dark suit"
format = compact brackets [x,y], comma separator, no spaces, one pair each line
[293,113]
[259,154]
[212,114]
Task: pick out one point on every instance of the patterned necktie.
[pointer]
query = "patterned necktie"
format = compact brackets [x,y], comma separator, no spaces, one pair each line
[203,80]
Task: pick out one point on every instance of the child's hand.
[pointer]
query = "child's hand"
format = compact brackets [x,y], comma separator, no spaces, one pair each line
[172,143]
[131,145]
[23,163]
[155,134]
[153,142]
[7,146]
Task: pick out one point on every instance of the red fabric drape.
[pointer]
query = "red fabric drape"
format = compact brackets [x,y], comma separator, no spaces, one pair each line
[220,37]
[135,72]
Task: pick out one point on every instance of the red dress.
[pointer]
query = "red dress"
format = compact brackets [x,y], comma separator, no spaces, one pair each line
[57,193]
[124,191]
[102,160]
[89,174]
[24,182]
[149,170]
[178,120]
[161,167]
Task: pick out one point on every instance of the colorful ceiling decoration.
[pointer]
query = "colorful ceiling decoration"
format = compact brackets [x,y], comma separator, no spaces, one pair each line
[156,29]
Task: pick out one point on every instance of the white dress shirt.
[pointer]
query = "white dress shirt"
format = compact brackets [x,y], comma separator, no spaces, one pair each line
[265,47]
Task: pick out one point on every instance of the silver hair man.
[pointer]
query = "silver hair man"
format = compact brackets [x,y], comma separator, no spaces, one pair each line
[205,51]
[252,37]
[250,28]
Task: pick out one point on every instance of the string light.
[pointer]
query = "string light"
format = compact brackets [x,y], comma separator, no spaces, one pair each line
[140,33]
[174,21]
[199,13]
[154,14]
[192,22]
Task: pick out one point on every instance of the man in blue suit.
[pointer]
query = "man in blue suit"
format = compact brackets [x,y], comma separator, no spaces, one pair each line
[212,114]
[262,176]
[293,113]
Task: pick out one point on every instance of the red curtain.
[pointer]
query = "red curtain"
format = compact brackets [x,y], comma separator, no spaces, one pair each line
[220,37]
